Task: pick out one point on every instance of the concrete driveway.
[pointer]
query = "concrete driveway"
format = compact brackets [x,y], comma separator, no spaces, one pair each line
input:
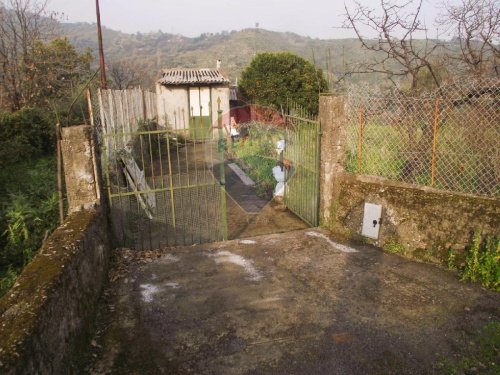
[291,303]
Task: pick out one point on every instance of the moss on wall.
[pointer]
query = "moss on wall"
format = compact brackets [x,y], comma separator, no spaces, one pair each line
[424,223]
[45,314]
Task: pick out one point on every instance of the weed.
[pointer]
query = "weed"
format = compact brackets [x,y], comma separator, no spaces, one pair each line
[28,211]
[482,261]
[394,246]
[452,259]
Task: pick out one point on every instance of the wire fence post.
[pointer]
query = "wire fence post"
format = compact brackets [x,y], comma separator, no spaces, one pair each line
[447,139]
[434,141]
[360,140]
[221,147]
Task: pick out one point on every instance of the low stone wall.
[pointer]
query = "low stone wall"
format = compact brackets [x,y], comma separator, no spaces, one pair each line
[422,222]
[44,318]
[417,221]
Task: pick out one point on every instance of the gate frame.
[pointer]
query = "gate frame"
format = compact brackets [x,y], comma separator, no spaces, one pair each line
[296,117]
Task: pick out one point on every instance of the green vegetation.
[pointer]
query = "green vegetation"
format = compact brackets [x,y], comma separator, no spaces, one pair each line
[389,151]
[256,154]
[28,212]
[56,73]
[394,246]
[481,262]
[480,355]
[42,79]
[272,79]
[25,134]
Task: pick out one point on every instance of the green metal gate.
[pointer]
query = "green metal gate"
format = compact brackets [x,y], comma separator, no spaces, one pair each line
[161,183]
[167,187]
[302,162]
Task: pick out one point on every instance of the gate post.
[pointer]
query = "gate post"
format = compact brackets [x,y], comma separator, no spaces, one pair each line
[332,116]
[221,145]
[79,174]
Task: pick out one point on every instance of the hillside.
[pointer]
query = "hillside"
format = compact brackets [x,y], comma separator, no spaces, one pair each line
[236,49]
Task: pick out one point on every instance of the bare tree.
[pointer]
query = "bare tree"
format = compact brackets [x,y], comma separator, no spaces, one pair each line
[22,24]
[125,74]
[476,25]
[401,46]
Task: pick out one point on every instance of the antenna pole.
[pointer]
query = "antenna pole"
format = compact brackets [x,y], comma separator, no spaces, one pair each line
[104,84]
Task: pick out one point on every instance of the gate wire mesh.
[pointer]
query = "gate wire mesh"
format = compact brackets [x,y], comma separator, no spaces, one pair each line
[448,140]
[179,202]
[302,153]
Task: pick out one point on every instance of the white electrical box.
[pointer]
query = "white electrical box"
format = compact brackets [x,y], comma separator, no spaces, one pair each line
[372,219]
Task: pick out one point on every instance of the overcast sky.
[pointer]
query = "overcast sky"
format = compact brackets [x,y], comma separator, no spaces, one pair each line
[315,18]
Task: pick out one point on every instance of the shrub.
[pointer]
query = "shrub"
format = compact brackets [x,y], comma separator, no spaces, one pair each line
[482,261]
[25,134]
[273,78]
[28,213]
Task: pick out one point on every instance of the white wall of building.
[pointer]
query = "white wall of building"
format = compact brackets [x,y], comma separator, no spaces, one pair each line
[223,94]
[173,106]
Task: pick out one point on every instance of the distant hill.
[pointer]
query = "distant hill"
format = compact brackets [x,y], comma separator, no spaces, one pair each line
[154,51]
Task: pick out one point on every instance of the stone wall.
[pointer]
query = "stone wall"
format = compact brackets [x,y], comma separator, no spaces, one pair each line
[417,221]
[80,172]
[422,222]
[44,317]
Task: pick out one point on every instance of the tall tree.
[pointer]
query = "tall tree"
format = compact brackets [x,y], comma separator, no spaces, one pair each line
[22,24]
[475,24]
[272,78]
[401,46]
[126,74]
[56,71]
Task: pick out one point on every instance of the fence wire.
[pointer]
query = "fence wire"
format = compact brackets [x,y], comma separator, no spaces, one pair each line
[448,140]
[160,183]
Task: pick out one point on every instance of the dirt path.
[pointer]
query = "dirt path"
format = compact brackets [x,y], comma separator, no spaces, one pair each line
[292,303]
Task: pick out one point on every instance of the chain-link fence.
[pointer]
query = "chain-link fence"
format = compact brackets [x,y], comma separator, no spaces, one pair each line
[448,140]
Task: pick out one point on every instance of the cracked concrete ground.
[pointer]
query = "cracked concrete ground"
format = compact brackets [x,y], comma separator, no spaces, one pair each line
[290,303]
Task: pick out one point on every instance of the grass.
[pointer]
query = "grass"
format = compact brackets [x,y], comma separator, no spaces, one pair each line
[479,355]
[256,155]
[463,161]
[28,212]
[394,246]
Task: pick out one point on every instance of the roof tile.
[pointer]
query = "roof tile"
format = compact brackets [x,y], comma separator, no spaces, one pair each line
[192,76]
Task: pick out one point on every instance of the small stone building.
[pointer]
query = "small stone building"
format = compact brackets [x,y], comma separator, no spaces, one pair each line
[187,100]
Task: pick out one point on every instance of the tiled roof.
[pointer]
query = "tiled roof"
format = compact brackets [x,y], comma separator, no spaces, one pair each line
[192,76]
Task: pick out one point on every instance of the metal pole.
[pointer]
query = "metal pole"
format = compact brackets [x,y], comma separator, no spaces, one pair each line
[360,141]
[222,172]
[59,173]
[434,142]
[104,84]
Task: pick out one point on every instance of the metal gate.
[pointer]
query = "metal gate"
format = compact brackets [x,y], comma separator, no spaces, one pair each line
[167,187]
[302,162]
[161,183]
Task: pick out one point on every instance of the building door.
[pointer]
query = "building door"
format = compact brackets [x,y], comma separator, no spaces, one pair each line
[200,120]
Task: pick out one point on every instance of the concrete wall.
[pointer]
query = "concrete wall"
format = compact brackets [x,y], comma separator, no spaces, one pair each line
[175,99]
[45,316]
[173,102]
[417,221]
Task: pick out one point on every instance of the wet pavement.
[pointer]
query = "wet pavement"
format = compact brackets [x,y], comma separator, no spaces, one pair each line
[290,303]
